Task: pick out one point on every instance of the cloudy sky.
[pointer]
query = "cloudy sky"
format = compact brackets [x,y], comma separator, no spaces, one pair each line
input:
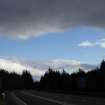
[36,34]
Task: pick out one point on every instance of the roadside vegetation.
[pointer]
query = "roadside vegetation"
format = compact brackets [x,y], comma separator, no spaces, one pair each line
[53,80]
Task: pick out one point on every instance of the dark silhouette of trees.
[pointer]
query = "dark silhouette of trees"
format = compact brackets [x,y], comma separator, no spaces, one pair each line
[53,80]
[65,81]
[27,80]
[92,81]
[12,81]
[50,80]
[96,79]
[15,81]
[102,66]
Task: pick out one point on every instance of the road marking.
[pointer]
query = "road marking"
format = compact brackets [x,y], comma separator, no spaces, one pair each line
[46,99]
[18,100]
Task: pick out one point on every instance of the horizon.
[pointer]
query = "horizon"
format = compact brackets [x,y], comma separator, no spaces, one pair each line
[39,34]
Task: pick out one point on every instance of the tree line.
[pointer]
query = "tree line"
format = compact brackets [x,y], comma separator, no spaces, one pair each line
[92,81]
[10,81]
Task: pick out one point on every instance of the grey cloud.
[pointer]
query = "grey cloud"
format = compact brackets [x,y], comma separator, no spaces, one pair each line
[88,67]
[69,65]
[25,18]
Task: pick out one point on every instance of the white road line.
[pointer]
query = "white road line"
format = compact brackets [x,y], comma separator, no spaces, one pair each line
[47,99]
[18,100]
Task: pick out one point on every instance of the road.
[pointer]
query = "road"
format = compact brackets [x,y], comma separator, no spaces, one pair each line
[44,98]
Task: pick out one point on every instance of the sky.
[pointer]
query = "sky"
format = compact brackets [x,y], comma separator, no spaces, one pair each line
[63,34]
[76,44]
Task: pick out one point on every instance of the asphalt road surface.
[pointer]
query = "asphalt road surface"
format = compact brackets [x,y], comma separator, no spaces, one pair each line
[43,98]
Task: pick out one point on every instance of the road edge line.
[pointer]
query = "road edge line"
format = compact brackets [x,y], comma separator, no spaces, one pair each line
[19,101]
[47,99]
